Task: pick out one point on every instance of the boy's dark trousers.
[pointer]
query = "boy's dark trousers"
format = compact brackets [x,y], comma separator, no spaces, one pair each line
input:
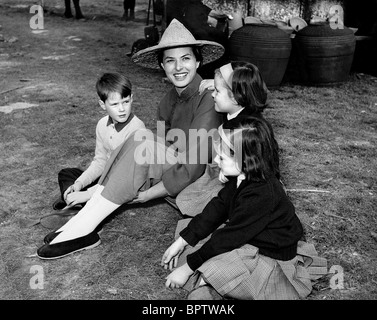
[66,178]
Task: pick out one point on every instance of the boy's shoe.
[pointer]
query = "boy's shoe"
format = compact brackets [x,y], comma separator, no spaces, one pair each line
[62,249]
[52,235]
[205,292]
[59,204]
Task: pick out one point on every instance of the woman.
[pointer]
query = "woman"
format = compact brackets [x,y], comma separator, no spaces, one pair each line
[157,171]
[238,91]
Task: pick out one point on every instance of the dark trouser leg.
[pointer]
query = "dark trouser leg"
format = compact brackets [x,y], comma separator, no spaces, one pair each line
[79,14]
[129,4]
[125,7]
[66,178]
[68,12]
[132,9]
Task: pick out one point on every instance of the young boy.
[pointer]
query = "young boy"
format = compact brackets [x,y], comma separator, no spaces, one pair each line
[115,93]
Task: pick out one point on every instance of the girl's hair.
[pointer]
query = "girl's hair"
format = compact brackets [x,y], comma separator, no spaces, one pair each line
[255,148]
[113,82]
[247,86]
[195,49]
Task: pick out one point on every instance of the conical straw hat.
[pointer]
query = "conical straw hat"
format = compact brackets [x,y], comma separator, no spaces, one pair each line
[176,35]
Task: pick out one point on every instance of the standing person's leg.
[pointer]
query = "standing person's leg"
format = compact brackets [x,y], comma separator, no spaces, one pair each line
[129,5]
[68,12]
[132,9]
[79,14]
[125,8]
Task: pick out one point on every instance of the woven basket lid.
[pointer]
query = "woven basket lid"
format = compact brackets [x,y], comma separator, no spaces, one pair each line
[324,29]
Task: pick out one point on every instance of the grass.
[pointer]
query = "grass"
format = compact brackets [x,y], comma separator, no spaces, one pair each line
[328,156]
[328,140]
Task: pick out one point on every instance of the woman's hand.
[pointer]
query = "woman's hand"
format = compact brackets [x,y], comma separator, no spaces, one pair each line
[178,277]
[171,255]
[143,196]
[206,84]
[157,191]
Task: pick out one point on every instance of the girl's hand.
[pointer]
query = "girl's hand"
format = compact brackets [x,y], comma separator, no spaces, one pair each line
[206,84]
[171,255]
[178,277]
[75,198]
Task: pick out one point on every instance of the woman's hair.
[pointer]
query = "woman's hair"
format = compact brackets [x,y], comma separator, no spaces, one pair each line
[254,147]
[247,86]
[113,82]
[195,49]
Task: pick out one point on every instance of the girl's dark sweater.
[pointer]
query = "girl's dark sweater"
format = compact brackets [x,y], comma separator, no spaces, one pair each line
[256,213]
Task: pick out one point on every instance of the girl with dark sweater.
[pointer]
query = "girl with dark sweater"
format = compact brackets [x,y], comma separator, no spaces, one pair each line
[251,247]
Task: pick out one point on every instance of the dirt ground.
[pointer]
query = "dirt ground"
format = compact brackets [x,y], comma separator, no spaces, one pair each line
[48,113]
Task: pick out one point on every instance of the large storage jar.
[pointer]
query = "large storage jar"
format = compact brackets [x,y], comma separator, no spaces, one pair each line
[325,54]
[264,45]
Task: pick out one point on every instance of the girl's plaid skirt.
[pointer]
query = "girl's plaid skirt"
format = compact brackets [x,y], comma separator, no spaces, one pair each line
[245,274]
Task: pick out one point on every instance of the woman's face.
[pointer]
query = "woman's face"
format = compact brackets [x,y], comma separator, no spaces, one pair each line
[180,66]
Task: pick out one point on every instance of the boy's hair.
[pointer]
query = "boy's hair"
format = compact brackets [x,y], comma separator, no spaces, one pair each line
[254,140]
[248,87]
[113,82]
[195,49]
